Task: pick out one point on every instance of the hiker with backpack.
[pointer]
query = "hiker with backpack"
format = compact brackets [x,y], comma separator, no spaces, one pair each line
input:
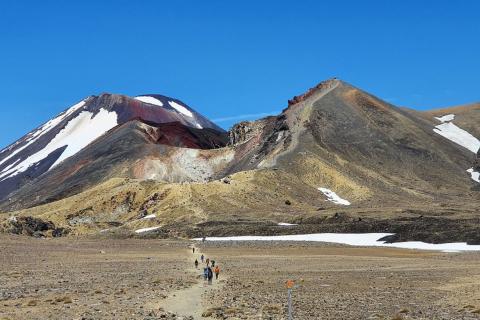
[217,271]
[202,257]
[210,275]
[196,264]
[205,273]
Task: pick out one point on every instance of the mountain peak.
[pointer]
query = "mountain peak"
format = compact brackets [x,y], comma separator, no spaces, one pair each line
[321,87]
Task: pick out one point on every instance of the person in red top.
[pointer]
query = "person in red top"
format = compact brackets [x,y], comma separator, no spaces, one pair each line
[217,271]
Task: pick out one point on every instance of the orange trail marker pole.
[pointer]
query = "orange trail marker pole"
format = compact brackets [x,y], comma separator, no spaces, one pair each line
[290,284]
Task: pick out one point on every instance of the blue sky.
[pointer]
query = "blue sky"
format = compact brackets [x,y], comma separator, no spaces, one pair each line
[228,59]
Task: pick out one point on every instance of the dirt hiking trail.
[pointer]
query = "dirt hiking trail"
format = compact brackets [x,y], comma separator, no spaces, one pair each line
[189,302]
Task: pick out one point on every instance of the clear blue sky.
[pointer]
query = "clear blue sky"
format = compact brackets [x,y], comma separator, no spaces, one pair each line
[232,58]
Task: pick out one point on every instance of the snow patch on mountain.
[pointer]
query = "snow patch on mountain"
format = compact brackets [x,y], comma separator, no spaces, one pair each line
[458,135]
[285,224]
[150,100]
[11,165]
[355,239]
[455,134]
[77,134]
[446,118]
[181,109]
[150,216]
[333,197]
[146,229]
[475,175]
[35,135]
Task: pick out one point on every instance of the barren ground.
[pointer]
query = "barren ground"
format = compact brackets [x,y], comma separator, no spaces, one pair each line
[139,279]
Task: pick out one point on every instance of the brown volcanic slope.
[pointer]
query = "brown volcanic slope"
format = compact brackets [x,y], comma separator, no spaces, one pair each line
[397,173]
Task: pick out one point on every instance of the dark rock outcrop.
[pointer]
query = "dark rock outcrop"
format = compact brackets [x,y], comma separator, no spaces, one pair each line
[32,226]
[476,164]
[244,131]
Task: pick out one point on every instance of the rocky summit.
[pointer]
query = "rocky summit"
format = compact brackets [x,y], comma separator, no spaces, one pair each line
[337,159]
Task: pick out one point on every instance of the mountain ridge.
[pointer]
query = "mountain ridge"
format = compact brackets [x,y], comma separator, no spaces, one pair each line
[387,165]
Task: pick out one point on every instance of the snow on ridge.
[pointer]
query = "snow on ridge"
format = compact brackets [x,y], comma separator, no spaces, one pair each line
[146,229]
[446,118]
[150,100]
[180,108]
[475,175]
[355,239]
[35,135]
[458,135]
[333,197]
[77,134]
[150,216]
[8,148]
[285,224]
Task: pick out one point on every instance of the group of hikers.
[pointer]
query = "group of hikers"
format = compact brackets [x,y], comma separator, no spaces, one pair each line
[210,268]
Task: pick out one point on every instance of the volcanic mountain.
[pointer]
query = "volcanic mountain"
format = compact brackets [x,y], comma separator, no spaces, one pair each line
[88,142]
[337,159]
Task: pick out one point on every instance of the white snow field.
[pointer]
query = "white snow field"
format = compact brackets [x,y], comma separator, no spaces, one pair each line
[285,224]
[146,229]
[77,134]
[355,239]
[150,100]
[181,109]
[150,216]
[455,134]
[333,197]
[475,175]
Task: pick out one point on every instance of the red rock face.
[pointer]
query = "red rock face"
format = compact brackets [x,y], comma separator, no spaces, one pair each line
[177,135]
[137,110]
